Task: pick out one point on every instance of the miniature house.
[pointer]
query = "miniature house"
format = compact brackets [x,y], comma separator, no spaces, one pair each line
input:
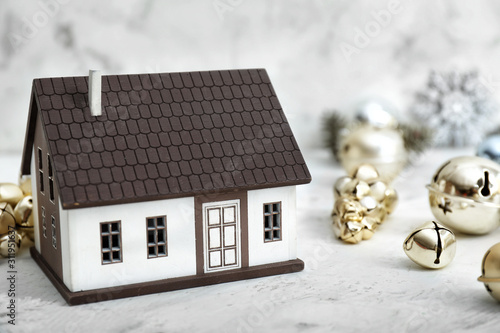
[155,182]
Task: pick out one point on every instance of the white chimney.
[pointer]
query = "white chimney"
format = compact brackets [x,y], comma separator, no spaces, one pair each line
[95,83]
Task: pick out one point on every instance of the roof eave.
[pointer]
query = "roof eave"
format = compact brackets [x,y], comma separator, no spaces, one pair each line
[77,205]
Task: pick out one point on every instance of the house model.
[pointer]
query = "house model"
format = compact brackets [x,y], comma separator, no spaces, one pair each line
[154,182]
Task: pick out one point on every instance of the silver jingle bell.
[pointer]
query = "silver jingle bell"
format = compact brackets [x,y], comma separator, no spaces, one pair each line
[490,148]
[431,245]
[464,195]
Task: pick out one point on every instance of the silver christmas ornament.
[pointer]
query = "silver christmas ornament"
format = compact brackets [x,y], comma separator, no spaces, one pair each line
[490,148]
[431,245]
[383,148]
[456,106]
[377,113]
[464,195]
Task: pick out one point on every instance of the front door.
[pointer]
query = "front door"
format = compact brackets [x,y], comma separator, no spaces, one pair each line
[221,235]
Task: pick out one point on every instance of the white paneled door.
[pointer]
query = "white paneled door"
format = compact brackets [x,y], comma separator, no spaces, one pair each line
[221,231]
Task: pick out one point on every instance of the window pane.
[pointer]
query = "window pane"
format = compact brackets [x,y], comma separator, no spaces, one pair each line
[276,221]
[276,234]
[162,250]
[104,228]
[116,255]
[151,223]
[267,222]
[267,209]
[115,227]
[105,243]
[276,208]
[267,235]
[106,257]
[160,222]
[161,235]
[152,251]
[151,237]
[115,241]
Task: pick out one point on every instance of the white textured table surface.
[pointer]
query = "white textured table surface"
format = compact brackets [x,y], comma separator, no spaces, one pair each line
[371,286]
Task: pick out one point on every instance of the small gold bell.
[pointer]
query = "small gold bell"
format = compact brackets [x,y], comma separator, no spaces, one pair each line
[23,212]
[25,184]
[490,269]
[6,218]
[362,203]
[431,245]
[10,193]
[10,244]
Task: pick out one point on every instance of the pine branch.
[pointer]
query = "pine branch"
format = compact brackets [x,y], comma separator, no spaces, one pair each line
[332,124]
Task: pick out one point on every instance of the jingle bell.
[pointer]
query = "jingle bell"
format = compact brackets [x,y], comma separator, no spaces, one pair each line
[10,193]
[464,195]
[23,212]
[25,184]
[6,218]
[431,245]
[361,204]
[490,269]
[10,244]
[382,148]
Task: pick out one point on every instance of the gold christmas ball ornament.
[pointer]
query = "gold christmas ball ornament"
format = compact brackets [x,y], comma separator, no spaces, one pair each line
[10,193]
[10,244]
[464,195]
[382,148]
[490,269]
[7,219]
[431,245]
[361,204]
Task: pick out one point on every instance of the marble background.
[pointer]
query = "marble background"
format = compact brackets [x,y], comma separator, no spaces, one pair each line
[305,47]
[319,54]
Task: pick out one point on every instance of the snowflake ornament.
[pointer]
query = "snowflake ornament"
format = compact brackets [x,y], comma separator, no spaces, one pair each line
[456,106]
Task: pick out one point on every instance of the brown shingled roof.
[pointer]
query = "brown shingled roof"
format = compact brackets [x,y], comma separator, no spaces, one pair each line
[166,135]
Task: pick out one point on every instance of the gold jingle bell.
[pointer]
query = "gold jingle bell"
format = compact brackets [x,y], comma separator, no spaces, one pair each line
[10,193]
[10,244]
[25,184]
[23,212]
[362,202]
[431,245]
[464,194]
[490,269]
[6,218]
[24,217]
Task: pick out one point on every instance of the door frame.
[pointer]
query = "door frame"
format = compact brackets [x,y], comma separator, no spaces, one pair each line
[199,226]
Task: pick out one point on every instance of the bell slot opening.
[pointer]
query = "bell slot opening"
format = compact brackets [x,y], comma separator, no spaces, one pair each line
[485,191]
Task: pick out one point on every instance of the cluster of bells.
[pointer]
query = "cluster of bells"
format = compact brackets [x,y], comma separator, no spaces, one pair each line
[16,218]
[362,202]
[464,195]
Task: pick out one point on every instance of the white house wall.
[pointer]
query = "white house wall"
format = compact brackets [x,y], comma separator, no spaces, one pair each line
[86,271]
[261,252]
